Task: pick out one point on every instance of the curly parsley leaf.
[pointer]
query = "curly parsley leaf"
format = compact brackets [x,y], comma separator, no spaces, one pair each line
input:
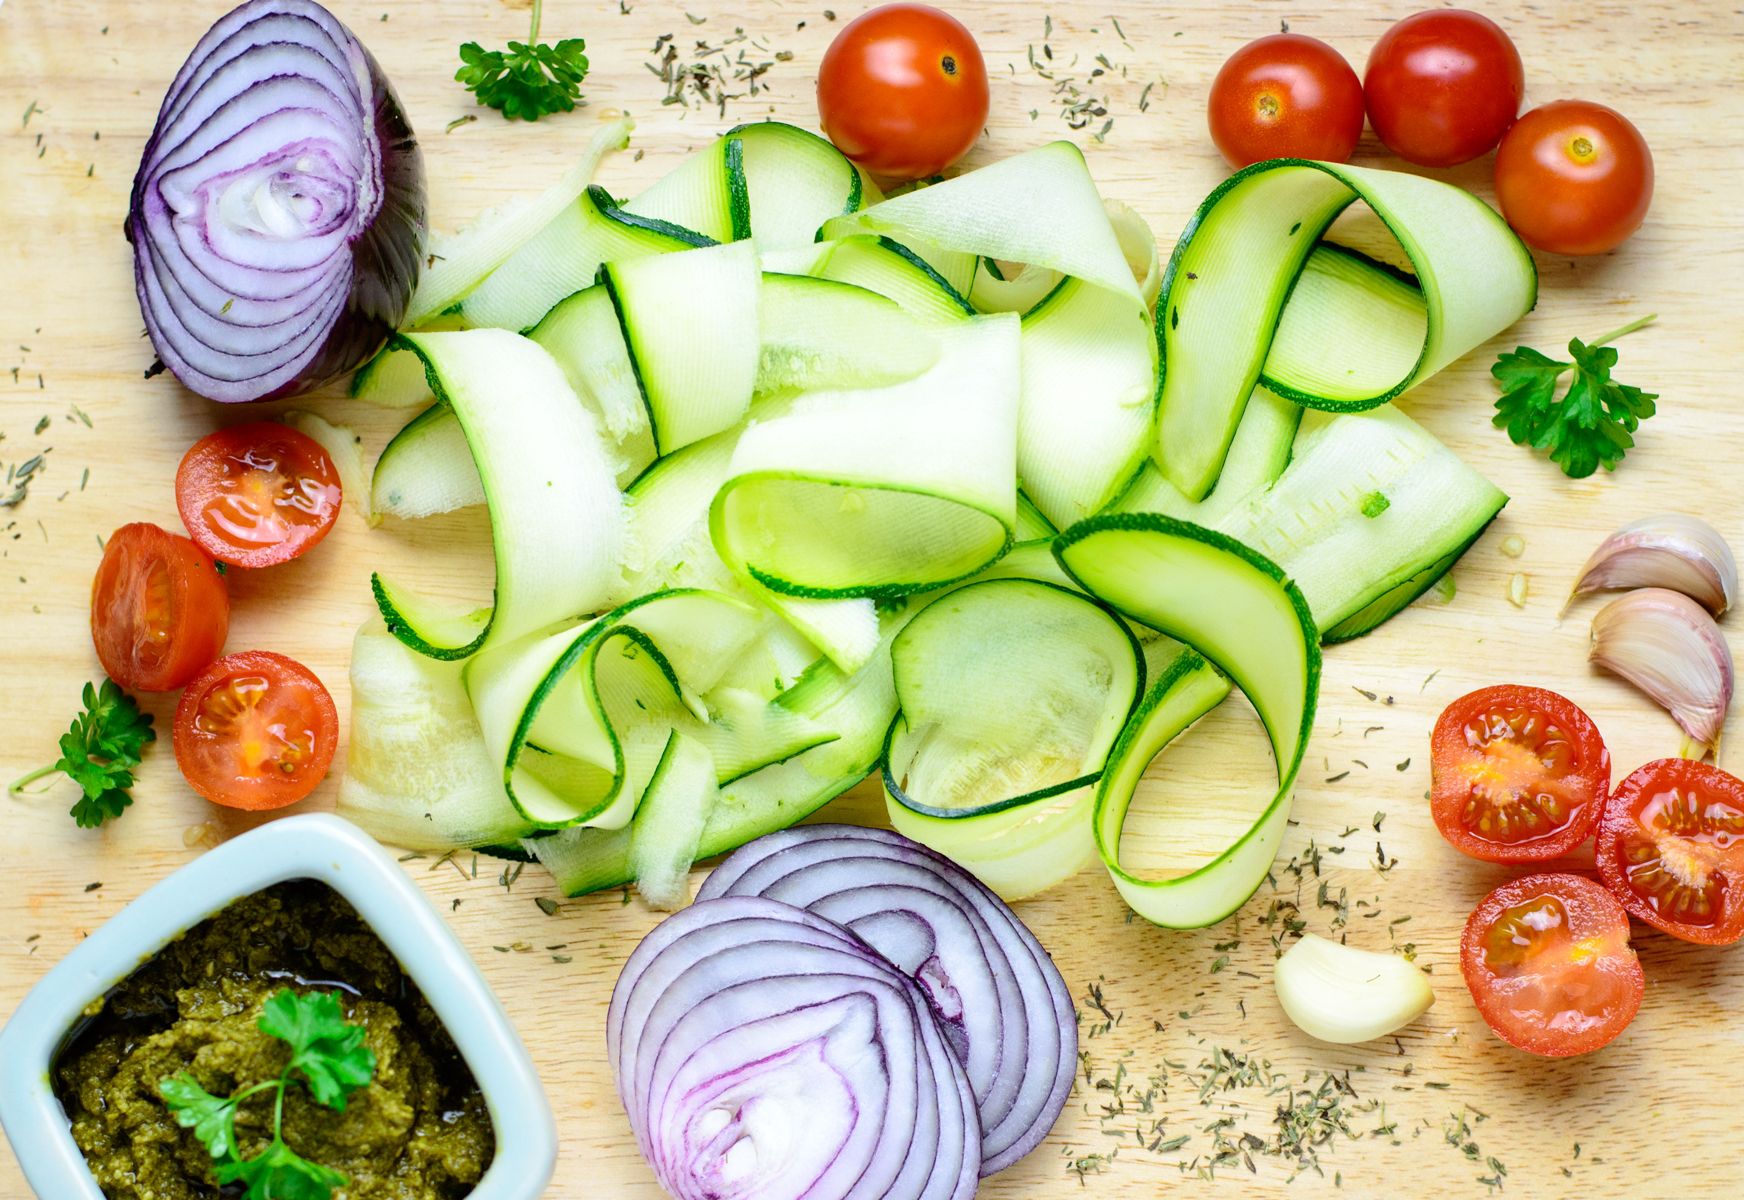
[334,1062]
[529,80]
[324,1047]
[1587,426]
[280,1173]
[212,1118]
[98,752]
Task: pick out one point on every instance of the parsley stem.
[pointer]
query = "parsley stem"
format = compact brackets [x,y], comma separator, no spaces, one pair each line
[17,786]
[533,33]
[1631,327]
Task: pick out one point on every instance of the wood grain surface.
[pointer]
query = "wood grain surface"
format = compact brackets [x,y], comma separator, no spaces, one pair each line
[1439,1110]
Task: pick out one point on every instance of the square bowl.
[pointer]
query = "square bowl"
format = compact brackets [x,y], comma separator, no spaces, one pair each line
[315,846]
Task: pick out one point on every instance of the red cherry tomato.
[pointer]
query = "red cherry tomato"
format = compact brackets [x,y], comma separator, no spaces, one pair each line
[903,91]
[1548,962]
[256,731]
[1574,178]
[159,609]
[1286,96]
[1519,774]
[1671,848]
[1443,86]
[255,495]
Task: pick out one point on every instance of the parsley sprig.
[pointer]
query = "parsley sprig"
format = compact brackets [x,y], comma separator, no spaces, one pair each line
[529,80]
[99,752]
[1590,425]
[333,1061]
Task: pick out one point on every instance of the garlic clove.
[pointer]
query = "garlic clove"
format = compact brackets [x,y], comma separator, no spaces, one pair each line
[1667,645]
[1671,550]
[1338,993]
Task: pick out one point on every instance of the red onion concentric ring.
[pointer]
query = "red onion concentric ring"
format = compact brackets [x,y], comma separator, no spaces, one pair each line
[277,218]
[764,1053]
[994,990]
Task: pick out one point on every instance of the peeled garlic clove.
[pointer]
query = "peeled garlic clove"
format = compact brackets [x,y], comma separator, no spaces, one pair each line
[1338,993]
[1668,646]
[1672,550]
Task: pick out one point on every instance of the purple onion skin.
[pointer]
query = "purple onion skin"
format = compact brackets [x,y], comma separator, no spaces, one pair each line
[386,255]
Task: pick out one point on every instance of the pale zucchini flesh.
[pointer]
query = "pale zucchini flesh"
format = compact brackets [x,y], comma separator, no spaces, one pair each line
[545,473]
[1233,277]
[1235,608]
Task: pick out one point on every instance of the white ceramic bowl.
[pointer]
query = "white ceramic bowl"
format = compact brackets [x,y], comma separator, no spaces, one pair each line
[345,858]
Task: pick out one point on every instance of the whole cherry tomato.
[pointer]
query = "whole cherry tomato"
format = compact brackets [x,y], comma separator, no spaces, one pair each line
[1574,178]
[903,91]
[1443,86]
[1286,96]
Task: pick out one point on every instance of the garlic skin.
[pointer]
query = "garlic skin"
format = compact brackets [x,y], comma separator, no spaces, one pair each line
[1340,994]
[1671,550]
[1667,645]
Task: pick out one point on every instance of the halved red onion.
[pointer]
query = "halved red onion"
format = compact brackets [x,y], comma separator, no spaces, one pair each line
[277,218]
[764,1053]
[994,990]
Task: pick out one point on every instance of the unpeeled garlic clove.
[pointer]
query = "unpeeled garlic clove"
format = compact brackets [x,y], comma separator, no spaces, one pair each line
[1668,646]
[1671,550]
[1338,993]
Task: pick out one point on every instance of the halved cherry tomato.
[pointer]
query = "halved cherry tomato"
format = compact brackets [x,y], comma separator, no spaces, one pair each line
[159,609]
[1574,178]
[1671,847]
[1519,774]
[1443,86]
[256,495]
[256,731]
[1286,96]
[1548,962]
[903,91]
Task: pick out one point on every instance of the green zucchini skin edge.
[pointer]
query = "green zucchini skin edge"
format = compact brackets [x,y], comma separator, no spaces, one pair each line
[1164,307]
[1185,663]
[879,591]
[611,210]
[1010,802]
[1388,605]
[390,613]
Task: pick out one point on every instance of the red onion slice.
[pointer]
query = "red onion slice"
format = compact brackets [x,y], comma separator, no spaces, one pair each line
[992,987]
[763,1053]
[277,218]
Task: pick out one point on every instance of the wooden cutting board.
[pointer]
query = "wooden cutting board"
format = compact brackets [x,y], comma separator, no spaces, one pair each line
[1169,1019]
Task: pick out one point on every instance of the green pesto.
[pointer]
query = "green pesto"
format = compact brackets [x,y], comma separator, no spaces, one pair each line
[418,1131]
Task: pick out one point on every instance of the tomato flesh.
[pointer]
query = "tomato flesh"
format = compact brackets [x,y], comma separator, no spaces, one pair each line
[1574,178]
[1285,96]
[1548,963]
[1443,86]
[1520,774]
[159,609]
[1671,847]
[257,731]
[902,90]
[256,495]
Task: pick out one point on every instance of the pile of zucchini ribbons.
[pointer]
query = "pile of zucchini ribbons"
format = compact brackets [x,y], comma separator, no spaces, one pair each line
[789,482]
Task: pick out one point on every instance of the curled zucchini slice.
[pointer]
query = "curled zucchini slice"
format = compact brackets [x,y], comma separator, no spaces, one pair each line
[578,719]
[1011,691]
[1251,295]
[883,492]
[1239,616]
[545,473]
